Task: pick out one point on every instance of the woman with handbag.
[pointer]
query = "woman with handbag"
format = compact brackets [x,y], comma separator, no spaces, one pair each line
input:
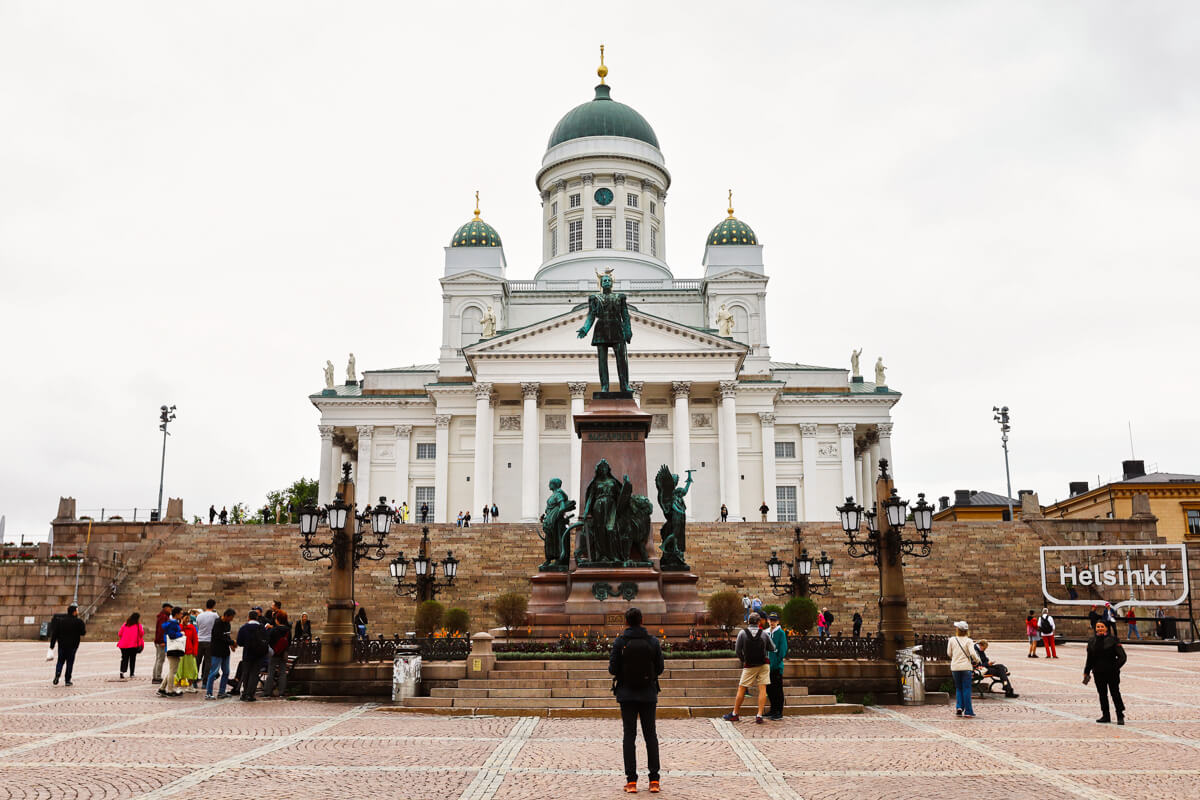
[131,640]
[187,674]
[963,659]
[176,644]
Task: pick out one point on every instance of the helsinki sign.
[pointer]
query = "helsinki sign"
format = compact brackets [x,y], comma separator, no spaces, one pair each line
[1147,575]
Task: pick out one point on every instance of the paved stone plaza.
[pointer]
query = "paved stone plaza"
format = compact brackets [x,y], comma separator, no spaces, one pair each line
[105,738]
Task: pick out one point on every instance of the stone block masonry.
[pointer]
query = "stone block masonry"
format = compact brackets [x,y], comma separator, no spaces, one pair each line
[985,572]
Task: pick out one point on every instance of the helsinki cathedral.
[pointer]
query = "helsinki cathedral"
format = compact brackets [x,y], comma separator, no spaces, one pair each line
[490,420]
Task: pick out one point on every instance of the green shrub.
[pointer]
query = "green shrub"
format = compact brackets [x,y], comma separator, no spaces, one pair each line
[778,609]
[510,611]
[800,614]
[725,609]
[868,699]
[429,617]
[947,687]
[457,621]
[839,696]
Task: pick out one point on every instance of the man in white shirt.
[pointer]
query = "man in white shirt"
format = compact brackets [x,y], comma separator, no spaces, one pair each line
[204,628]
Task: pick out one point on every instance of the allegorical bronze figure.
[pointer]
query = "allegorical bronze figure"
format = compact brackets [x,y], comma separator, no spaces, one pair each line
[555,524]
[615,522]
[609,313]
[674,530]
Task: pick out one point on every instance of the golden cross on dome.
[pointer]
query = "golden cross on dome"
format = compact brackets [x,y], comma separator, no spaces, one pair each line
[476,204]
[731,203]
[603,70]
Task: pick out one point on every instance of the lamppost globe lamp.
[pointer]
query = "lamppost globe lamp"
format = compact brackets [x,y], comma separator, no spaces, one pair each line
[922,515]
[450,566]
[399,567]
[851,515]
[421,565]
[774,566]
[897,510]
[381,518]
[337,513]
[424,585]
[310,518]
[872,522]
[824,566]
[804,564]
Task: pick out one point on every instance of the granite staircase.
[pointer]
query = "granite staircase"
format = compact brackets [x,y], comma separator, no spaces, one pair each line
[689,688]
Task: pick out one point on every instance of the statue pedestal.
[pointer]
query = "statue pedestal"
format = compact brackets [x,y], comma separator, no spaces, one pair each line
[614,428]
[565,602]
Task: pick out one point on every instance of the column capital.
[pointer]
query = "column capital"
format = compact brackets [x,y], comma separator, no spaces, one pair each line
[483,390]
[884,429]
[808,429]
[587,178]
[326,432]
[647,185]
[619,178]
[545,195]
[403,431]
[577,389]
[767,418]
[366,431]
[681,389]
[530,390]
[846,428]
[560,186]
[441,420]
[728,390]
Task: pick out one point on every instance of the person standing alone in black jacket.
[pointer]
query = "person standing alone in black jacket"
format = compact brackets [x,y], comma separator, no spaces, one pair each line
[66,631]
[635,664]
[252,638]
[1105,657]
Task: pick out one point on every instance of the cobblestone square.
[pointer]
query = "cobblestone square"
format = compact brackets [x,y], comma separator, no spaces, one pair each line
[103,738]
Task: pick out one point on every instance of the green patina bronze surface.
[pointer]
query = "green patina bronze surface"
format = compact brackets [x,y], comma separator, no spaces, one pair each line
[556,529]
[615,524]
[674,530]
[609,313]
[626,590]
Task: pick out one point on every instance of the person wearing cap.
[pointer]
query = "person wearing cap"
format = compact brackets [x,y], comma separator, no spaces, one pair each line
[1046,628]
[775,687]
[963,659]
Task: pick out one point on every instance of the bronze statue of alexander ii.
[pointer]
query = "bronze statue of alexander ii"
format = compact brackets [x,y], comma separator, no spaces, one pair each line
[609,314]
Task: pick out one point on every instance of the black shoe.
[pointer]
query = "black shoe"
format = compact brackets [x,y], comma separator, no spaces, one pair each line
[1120,720]
[1104,719]
[56,680]
[1011,694]
[69,683]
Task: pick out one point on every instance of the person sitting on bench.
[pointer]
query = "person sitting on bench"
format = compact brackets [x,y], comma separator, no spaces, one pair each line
[992,668]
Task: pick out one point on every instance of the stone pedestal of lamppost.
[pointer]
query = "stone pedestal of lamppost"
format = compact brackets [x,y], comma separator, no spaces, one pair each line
[894,624]
[337,643]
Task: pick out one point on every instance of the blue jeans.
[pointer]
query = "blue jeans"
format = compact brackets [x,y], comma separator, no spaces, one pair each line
[962,691]
[219,664]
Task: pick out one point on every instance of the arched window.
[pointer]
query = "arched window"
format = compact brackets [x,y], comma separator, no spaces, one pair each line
[741,324]
[472,325]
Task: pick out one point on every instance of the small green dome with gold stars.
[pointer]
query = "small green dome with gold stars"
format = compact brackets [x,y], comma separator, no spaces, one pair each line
[476,232]
[732,230]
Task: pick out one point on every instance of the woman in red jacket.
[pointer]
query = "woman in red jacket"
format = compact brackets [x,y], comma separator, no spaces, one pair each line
[187,674]
[1031,630]
[131,640]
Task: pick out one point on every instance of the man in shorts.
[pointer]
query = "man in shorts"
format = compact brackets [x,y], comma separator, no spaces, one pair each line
[752,648]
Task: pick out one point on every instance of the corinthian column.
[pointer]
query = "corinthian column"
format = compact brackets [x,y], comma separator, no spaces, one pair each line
[727,448]
[483,448]
[846,448]
[441,469]
[326,480]
[767,421]
[682,438]
[530,469]
[362,491]
[577,389]
[884,429]
[808,463]
[403,453]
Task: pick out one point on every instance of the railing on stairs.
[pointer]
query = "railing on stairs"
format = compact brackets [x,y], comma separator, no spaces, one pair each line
[130,563]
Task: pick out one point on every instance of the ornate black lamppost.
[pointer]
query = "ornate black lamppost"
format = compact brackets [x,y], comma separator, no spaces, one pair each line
[425,585]
[888,547]
[798,583]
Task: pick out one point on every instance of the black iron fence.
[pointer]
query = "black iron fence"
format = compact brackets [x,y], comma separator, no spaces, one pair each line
[365,651]
[933,646]
[836,647]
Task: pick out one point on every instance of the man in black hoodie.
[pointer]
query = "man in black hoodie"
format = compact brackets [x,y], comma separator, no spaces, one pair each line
[635,664]
[252,638]
[65,631]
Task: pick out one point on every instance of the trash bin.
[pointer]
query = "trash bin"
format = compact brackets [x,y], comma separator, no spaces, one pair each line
[912,675]
[44,631]
[406,672]
[154,515]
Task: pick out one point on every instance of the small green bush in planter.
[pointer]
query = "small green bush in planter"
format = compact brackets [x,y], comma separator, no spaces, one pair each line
[429,617]
[457,621]
[725,609]
[510,611]
[800,614]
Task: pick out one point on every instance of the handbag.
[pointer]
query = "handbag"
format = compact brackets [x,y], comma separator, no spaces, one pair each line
[177,645]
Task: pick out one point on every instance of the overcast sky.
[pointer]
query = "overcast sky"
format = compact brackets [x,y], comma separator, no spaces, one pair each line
[201,202]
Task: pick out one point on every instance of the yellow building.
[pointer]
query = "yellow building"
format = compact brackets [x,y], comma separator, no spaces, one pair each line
[976,506]
[1174,500]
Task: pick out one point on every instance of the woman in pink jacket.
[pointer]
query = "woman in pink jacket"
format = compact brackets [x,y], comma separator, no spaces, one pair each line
[131,640]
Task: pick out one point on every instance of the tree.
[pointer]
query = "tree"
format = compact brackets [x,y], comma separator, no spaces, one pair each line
[800,614]
[302,492]
[510,611]
[725,609]
[457,621]
[429,617]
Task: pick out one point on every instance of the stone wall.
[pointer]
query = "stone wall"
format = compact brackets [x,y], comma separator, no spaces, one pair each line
[39,588]
[985,572]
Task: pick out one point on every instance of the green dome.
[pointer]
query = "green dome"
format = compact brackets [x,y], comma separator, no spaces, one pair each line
[732,231]
[476,233]
[603,116]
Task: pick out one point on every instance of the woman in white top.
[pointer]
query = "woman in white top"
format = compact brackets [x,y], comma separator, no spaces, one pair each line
[963,659]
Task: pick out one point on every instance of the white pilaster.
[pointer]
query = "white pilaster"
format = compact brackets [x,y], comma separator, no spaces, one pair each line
[682,429]
[885,445]
[873,452]
[325,479]
[362,487]
[727,450]
[846,447]
[441,470]
[577,390]
[767,420]
[338,455]
[589,220]
[808,463]
[860,481]
[483,450]
[403,453]
[530,468]
[619,213]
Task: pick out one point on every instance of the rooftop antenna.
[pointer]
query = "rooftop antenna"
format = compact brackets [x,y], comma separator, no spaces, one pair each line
[1130,424]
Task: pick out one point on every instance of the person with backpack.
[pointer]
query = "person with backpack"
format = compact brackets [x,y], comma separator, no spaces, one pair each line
[635,663]
[279,638]
[1046,630]
[252,638]
[828,622]
[752,647]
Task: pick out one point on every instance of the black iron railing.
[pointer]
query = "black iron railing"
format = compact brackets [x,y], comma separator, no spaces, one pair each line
[365,651]
[837,647]
[933,646]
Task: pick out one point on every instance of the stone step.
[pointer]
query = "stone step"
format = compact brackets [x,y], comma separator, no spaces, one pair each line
[501,702]
[609,712]
[796,694]
[606,683]
[601,664]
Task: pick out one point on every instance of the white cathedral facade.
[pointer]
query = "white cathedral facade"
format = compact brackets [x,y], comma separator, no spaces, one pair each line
[490,421]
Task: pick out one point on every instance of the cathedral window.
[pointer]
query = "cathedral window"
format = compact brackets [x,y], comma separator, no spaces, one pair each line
[653,207]
[785,503]
[654,242]
[604,233]
[472,326]
[574,236]
[553,241]
[785,449]
[633,235]
[427,451]
[554,209]
[425,496]
[631,200]
[574,200]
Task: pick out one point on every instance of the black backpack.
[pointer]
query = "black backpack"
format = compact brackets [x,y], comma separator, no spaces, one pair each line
[637,664]
[828,618]
[1044,625]
[754,653]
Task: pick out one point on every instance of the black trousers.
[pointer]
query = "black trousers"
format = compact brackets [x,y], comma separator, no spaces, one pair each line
[203,662]
[128,660]
[775,694]
[66,657]
[1106,684]
[630,712]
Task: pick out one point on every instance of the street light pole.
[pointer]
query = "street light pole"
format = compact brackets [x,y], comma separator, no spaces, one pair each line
[165,415]
[1000,415]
